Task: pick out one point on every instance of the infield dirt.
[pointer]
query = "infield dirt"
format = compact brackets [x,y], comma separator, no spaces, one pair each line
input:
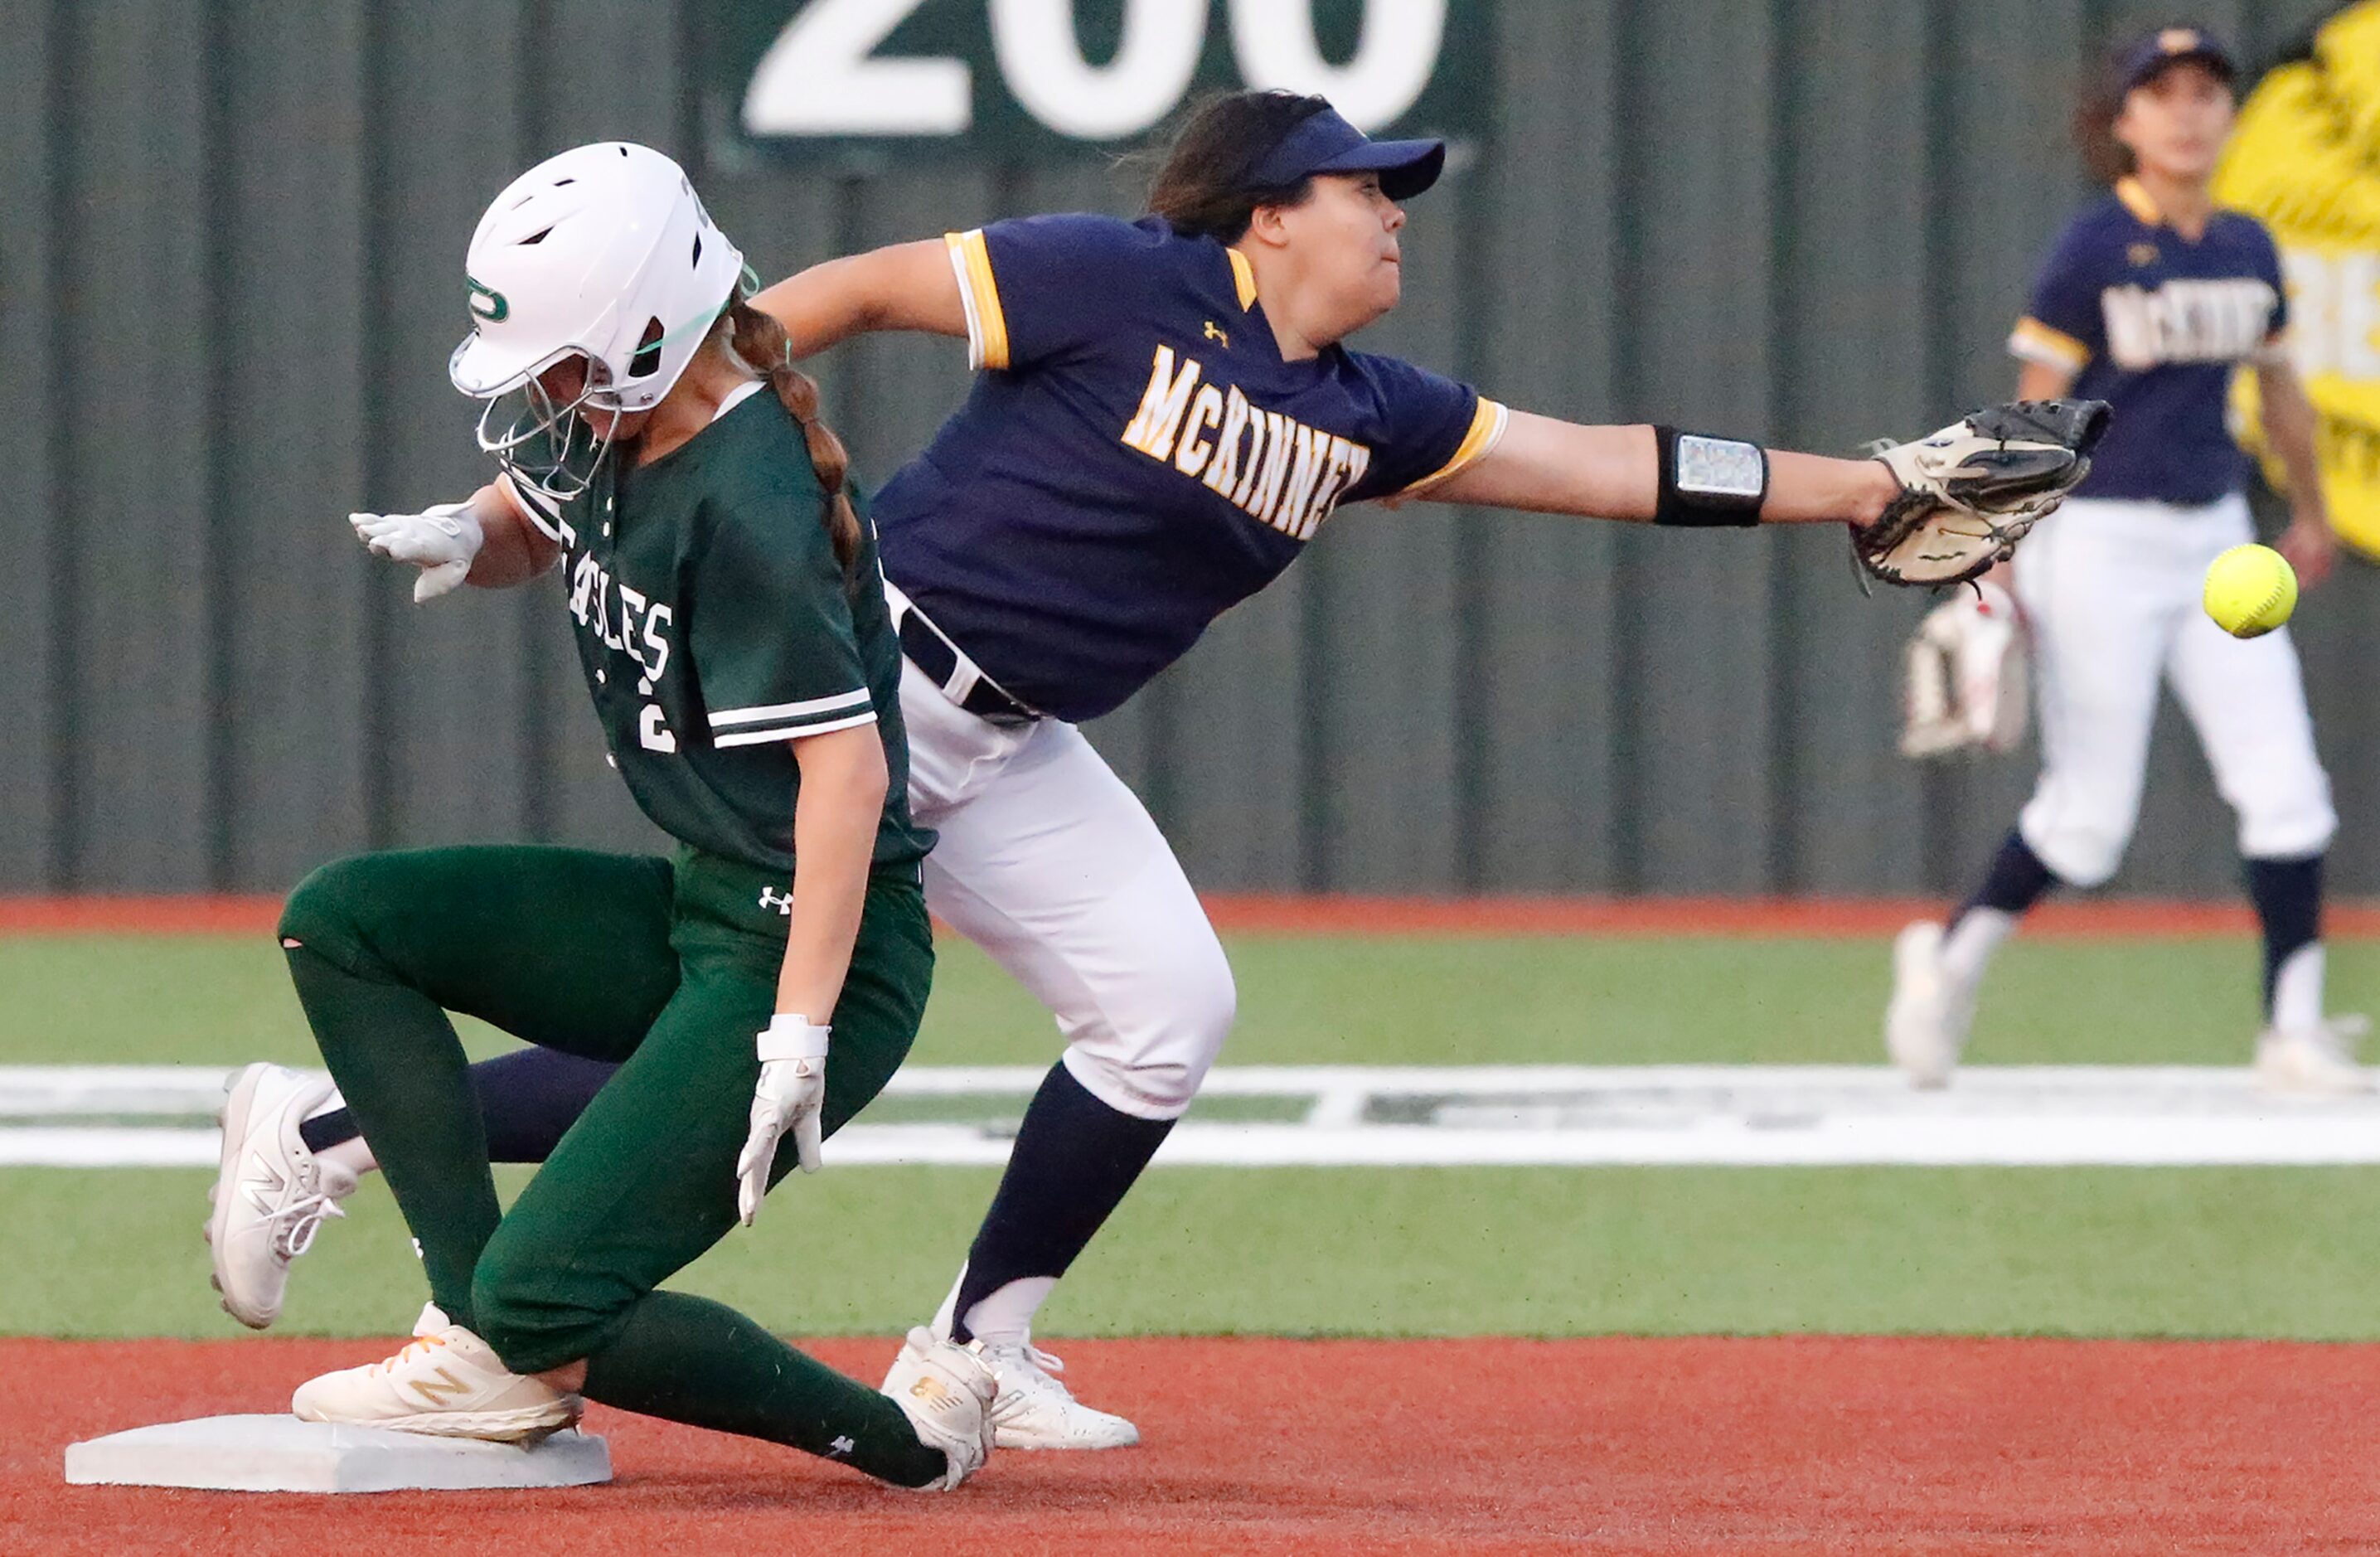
[1654,1446]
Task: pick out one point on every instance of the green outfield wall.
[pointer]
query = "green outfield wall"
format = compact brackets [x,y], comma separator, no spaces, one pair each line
[231,238]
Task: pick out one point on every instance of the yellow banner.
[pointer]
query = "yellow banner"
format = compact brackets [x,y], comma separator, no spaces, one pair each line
[2305,159]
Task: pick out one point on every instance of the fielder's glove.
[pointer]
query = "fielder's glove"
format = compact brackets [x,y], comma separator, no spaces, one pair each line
[1966,687]
[786,1101]
[441,542]
[1971,492]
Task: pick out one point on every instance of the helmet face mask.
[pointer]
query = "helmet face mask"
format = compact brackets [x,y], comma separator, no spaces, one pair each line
[603,253]
[546,444]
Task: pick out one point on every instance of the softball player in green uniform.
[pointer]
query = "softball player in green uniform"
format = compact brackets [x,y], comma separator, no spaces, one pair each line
[736,644]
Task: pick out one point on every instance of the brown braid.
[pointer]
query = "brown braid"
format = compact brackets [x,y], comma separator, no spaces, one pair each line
[760,341]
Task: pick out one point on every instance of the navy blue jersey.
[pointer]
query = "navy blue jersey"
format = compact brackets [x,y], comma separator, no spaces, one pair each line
[2153,323]
[1136,457]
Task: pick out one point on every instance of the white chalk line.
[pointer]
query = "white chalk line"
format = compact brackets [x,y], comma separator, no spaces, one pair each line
[1457,1116]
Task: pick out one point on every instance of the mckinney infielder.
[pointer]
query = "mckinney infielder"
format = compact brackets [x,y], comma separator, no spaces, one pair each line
[1165,414]
[2149,300]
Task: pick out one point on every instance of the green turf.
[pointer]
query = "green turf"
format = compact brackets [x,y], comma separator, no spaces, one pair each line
[2282,1252]
[202,999]
[1416,1251]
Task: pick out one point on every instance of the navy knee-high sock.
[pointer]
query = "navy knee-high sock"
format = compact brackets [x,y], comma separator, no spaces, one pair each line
[2288,895]
[2016,882]
[1074,1159]
[528,1099]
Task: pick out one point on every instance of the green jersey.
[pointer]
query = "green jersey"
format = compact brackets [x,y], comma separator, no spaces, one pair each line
[715,626]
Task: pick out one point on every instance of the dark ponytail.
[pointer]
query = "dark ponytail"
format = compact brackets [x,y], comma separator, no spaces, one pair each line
[760,341]
[1201,189]
[2106,158]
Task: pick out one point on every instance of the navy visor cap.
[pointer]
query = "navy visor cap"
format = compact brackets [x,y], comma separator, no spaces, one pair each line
[2169,45]
[1327,143]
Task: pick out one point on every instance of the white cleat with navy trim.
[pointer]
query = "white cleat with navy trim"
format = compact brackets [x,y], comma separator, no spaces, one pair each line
[270,1194]
[1034,1410]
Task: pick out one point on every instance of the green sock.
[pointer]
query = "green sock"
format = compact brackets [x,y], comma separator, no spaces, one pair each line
[404,1075]
[689,1359]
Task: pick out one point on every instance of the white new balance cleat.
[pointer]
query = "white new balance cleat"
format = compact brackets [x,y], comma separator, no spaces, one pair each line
[1925,1025]
[1033,1410]
[448,1384]
[270,1194]
[2313,1063]
[946,1391]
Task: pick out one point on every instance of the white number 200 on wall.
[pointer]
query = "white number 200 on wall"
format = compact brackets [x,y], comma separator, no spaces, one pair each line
[821,75]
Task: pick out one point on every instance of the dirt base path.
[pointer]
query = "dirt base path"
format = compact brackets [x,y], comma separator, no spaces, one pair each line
[1736,1446]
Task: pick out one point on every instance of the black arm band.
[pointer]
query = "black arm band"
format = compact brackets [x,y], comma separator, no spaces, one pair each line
[1707,480]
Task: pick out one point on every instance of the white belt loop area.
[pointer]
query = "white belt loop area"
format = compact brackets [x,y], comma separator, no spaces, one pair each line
[964,671]
[965,676]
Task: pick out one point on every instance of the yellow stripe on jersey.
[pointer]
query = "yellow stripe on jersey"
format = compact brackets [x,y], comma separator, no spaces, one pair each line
[2139,201]
[986,325]
[1244,277]
[1487,427]
[2034,341]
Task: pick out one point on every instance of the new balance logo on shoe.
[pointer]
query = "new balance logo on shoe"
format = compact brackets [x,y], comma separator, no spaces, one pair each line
[263,1188]
[446,1386]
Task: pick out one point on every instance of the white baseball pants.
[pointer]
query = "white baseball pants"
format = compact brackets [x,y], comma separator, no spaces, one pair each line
[1049,863]
[2111,592]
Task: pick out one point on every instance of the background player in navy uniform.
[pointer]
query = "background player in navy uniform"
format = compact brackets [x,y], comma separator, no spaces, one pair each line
[1165,413]
[746,673]
[2150,299]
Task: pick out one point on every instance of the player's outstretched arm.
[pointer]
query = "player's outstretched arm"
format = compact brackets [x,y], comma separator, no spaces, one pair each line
[512,551]
[905,286]
[1545,466]
[1940,510]
[486,538]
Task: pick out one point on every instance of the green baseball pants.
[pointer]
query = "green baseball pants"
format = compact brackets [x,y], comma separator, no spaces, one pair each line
[669,966]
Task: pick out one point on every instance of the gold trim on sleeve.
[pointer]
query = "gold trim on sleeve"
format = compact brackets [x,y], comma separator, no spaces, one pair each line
[2034,341]
[2139,201]
[1487,427]
[986,325]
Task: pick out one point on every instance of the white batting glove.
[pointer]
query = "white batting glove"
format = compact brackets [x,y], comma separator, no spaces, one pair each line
[441,542]
[786,1101]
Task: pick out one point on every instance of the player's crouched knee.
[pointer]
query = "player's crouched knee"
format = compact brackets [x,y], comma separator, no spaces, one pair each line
[518,1310]
[325,912]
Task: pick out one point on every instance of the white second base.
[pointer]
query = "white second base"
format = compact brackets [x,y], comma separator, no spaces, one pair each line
[283,1455]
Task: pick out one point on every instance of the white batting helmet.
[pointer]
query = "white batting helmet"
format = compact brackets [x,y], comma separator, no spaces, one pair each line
[604,252]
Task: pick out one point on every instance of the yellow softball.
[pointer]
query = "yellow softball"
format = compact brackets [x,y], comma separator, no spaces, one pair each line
[2250,591]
